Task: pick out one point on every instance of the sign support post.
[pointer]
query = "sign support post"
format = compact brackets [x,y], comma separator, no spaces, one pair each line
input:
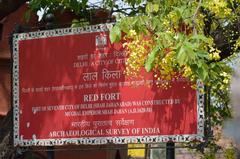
[50,152]
[170,150]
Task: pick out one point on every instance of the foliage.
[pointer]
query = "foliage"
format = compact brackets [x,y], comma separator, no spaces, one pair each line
[52,5]
[230,153]
[79,8]
[209,155]
[177,31]
[196,38]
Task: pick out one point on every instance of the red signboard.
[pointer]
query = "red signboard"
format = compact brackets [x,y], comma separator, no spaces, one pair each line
[70,88]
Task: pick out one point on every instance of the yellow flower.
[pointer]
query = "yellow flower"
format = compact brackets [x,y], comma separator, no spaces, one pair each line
[226,80]
[216,56]
[132,33]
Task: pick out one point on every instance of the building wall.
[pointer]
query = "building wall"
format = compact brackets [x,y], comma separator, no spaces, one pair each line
[8,24]
[5,90]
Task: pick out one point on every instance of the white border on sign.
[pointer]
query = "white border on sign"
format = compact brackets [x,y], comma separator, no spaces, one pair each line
[19,141]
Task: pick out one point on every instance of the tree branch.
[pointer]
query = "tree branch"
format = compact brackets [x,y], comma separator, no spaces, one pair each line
[195,15]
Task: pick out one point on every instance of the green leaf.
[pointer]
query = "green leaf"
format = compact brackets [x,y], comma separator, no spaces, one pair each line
[155,23]
[150,60]
[148,7]
[152,7]
[194,67]
[199,64]
[182,56]
[202,54]
[115,34]
[179,11]
[186,53]
[203,71]
[84,3]
[35,5]
[155,7]
[75,21]
[27,15]
[124,25]
[199,37]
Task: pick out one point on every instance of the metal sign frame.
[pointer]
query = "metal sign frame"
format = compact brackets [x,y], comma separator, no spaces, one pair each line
[18,141]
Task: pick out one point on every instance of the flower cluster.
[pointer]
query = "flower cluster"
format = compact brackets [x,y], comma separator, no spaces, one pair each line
[165,68]
[219,8]
[214,54]
[137,48]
